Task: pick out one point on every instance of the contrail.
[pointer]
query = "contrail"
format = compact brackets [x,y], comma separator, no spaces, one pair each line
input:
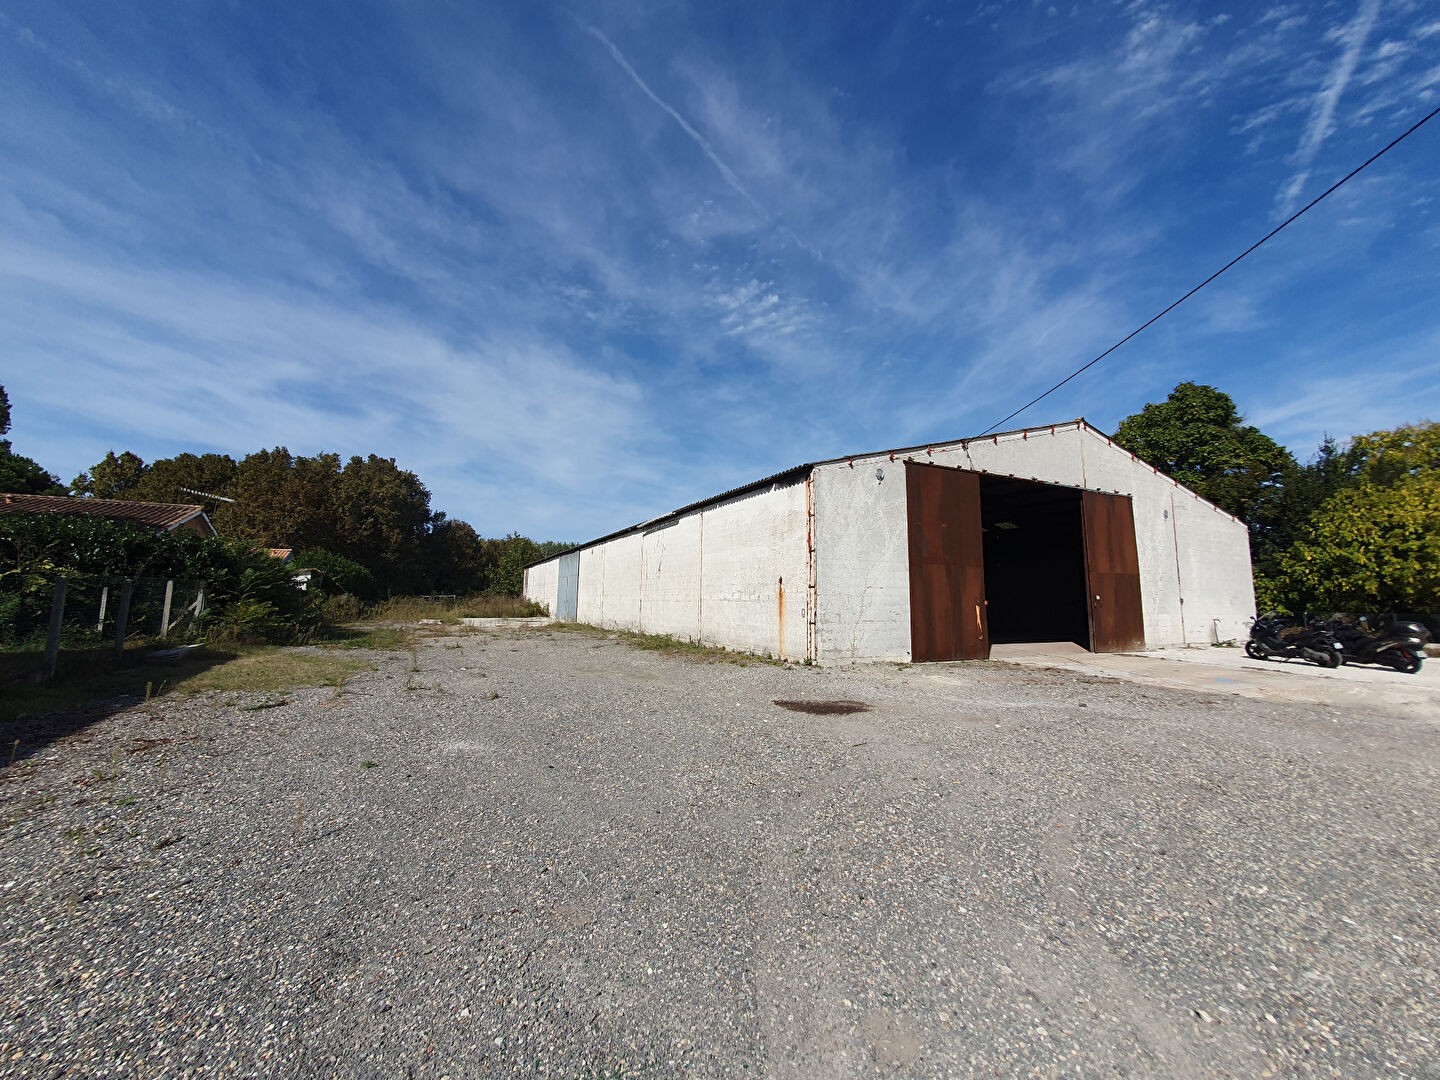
[1322,120]
[700,140]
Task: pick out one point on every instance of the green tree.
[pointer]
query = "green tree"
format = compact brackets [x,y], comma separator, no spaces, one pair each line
[1368,548]
[1197,436]
[1390,457]
[167,479]
[342,575]
[20,474]
[512,555]
[382,514]
[282,500]
[456,560]
[116,476]
[1284,518]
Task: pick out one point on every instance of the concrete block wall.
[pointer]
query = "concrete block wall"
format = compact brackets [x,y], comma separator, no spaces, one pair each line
[732,573]
[1195,574]
[862,561]
[1185,546]
[670,585]
[754,576]
[542,584]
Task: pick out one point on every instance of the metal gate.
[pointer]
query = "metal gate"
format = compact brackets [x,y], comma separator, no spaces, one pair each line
[947,564]
[1112,568]
[567,600]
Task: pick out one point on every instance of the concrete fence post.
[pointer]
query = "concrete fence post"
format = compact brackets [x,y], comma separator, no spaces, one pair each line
[122,615]
[100,618]
[165,609]
[52,639]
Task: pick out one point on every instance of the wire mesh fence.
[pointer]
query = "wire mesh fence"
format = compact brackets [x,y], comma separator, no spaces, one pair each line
[46,614]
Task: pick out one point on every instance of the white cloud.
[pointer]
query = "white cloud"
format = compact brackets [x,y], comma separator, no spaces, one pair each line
[1352,38]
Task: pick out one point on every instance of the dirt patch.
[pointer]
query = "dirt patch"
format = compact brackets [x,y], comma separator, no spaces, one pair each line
[825,708]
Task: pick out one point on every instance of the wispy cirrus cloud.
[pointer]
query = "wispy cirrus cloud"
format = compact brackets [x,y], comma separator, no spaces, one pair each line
[1352,39]
[575,272]
[698,139]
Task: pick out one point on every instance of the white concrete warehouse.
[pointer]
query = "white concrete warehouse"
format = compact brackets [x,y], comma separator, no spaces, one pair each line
[937,552]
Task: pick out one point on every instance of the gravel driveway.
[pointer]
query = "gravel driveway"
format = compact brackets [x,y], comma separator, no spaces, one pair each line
[550,854]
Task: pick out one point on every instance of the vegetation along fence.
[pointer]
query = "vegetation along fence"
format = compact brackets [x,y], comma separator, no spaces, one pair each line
[83,612]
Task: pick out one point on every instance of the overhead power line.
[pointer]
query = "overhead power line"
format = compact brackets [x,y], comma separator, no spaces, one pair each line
[1278,228]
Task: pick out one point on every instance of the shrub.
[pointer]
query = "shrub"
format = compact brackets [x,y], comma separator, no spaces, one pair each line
[344,608]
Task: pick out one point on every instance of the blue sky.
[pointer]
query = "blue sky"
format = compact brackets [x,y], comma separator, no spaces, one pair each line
[577,265]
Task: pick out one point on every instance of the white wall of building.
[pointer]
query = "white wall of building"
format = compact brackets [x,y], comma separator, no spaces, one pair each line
[542,584]
[754,580]
[670,583]
[862,561]
[732,573]
[1185,546]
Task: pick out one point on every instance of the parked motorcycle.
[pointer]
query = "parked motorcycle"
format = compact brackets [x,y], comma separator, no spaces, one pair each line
[1270,637]
[1399,644]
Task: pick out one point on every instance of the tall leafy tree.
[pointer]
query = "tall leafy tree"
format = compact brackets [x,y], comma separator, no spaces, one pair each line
[1364,529]
[1391,457]
[512,555]
[382,514]
[1368,548]
[456,559]
[282,500]
[116,476]
[167,479]
[20,474]
[1198,436]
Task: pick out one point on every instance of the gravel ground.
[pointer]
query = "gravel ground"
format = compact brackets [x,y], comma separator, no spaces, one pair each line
[550,854]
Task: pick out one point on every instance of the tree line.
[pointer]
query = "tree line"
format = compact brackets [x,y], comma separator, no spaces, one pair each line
[1354,528]
[365,521]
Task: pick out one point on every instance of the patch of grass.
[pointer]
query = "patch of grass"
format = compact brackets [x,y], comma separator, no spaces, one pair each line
[379,638]
[274,668]
[670,646]
[413,608]
[98,675]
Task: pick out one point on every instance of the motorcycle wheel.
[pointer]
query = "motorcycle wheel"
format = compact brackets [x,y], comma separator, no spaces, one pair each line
[1255,652]
[1405,661]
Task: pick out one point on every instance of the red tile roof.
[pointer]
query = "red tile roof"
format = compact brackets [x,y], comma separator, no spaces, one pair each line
[168,516]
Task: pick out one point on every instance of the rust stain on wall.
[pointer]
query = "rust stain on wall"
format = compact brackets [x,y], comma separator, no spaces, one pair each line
[780,619]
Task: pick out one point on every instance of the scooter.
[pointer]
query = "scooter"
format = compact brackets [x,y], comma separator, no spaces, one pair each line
[1270,637]
[1399,645]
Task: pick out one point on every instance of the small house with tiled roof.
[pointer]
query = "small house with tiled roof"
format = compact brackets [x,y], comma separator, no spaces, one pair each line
[168,517]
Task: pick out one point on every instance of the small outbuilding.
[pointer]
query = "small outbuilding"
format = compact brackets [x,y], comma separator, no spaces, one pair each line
[936,552]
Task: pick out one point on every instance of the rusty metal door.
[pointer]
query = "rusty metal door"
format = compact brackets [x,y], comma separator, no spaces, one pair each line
[947,564]
[1112,569]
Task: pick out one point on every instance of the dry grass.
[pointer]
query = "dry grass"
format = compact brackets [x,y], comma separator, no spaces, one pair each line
[670,646]
[271,669]
[380,638]
[413,608]
[87,676]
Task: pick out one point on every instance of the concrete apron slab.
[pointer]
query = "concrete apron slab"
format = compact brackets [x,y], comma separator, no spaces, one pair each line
[1229,671]
[494,624]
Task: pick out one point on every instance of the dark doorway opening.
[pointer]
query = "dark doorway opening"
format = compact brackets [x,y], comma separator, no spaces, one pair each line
[1035,574]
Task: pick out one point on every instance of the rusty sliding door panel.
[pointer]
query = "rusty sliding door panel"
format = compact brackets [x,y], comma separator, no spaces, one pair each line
[947,564]
[1112,570]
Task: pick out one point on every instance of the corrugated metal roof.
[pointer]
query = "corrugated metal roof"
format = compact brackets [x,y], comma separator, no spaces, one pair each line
[168,516]
[794,473]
